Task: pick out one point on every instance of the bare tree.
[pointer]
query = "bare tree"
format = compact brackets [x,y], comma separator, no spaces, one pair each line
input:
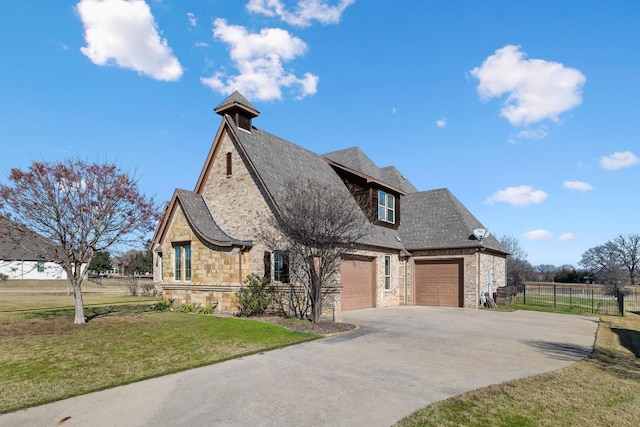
[545,272]
[315,229]
[518,268]
[603,262]
[628,250]
[81,208]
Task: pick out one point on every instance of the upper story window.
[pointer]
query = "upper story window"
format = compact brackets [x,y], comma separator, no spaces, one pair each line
[386,207]
[40,266]
[229,164]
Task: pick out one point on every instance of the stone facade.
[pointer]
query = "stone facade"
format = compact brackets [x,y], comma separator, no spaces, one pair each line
[243,208]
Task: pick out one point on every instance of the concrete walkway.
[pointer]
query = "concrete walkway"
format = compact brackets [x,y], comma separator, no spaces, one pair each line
[399,360]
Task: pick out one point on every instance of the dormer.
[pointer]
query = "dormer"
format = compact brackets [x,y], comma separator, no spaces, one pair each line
[239,109]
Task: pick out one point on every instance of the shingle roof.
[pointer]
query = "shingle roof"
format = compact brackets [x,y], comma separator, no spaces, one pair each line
[437,219]
[201,221]
[393,176]
[18,243]
[278,161]
[355,159]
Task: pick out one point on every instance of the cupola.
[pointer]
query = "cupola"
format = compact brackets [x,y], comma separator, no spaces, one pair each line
[239,109]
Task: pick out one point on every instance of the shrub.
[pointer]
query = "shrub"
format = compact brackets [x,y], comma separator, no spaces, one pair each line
[162,306]
[195,307]
[4,277]
[255,297]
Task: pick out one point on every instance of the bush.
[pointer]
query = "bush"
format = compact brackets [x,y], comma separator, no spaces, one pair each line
[255,297]
[162,306]
[4,277]
[195,307]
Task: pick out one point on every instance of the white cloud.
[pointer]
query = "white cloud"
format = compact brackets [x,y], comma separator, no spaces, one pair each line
[565,237]
[518,196]
[193,21]
[538,235]
[259,58]
[201,44]
[539,133]
[537,89]
[442,123]
[619,160]
[304,13]
[577,185]
[124,34]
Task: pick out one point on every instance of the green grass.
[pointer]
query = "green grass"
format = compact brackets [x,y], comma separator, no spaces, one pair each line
[603,389]
[45,357]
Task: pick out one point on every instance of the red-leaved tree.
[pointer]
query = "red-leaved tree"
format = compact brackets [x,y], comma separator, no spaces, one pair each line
[79,208]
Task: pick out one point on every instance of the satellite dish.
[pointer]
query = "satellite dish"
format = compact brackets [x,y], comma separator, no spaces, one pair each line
[480,233]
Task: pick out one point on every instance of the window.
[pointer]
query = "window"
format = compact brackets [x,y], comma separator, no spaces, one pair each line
[386,207]
[178,264]
[387,272]
[187,263]
[281,267]
[182,263]
[229,164]
[40,266]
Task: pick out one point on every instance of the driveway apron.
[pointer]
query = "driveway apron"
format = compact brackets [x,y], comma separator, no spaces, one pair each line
[399,360]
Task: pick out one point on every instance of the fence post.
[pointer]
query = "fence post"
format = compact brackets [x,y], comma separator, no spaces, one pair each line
[570,299]
[620,296]
[524,295]
[592,309]
[555,295]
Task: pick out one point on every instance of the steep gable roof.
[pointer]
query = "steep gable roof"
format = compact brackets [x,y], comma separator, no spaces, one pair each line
[393,176]
[199,218]
[277,161]
[437,219]
[353,160]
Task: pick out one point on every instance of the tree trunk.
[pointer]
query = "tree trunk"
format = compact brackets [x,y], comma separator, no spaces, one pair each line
[77,296]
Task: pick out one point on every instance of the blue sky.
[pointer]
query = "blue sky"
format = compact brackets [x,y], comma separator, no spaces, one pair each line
[527,111]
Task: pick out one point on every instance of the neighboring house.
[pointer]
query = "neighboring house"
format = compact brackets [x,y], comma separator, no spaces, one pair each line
[23,254]
[421,249]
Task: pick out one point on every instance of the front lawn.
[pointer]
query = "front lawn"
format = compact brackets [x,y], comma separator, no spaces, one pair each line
[45,357]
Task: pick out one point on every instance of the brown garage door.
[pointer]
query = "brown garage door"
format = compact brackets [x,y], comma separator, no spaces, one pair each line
[358,290]
[439,283]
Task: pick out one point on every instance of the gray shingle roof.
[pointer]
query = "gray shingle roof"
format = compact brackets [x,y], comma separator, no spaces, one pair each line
[201,221]
[278,161]
[355,159]
[18,243]
[437,219]
[392,175]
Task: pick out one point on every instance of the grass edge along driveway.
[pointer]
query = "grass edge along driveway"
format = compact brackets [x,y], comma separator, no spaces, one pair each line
[603,389]
[44,357]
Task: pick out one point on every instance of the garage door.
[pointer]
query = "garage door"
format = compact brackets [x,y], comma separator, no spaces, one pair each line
[358,288]
[439,283]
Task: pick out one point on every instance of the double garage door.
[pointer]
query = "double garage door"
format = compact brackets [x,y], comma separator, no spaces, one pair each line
[439,283]
[358,284]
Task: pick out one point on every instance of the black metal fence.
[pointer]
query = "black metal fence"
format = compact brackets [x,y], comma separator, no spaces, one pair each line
[580,298]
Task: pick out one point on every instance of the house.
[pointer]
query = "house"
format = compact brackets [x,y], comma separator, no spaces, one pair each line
[23,254]
[421,249]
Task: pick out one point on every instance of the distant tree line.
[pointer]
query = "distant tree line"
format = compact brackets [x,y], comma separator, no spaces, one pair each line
[614,263]
[131,263]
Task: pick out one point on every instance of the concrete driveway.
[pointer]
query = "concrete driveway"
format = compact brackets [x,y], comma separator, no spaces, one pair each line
[399,360]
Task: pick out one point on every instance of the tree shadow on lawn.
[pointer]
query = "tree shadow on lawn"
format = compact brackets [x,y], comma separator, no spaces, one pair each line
[91,313]
[561,351]
[629,339]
